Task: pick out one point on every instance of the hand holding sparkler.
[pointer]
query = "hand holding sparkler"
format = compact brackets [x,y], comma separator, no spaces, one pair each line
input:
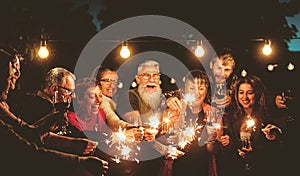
[174,153]
[174,103]
[134,134]
[169,119]
[150,133]
[245,135]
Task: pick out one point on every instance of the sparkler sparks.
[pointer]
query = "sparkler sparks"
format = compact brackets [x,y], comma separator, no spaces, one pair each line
[188,134]
[250,123]
[189,98]
[154,121]
[124,146]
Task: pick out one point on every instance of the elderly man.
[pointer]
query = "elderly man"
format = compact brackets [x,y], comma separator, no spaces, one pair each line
[35,108]
[146,110]
[28,158]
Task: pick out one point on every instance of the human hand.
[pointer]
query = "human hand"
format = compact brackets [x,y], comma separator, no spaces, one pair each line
[134,134]
[242,152]
[270,131]
[279,102]
[224,140]
[174,153]
[150,133]
[84,146]
[227,101]
[92,165]
[174,103]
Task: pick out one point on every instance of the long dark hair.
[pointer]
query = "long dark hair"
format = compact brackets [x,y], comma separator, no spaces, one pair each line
[260,109]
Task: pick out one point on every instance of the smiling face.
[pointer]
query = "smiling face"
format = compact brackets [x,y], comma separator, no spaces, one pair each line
[246,96]
[108,82]
[91,100]
[149,79]
[197,88]
[221,70]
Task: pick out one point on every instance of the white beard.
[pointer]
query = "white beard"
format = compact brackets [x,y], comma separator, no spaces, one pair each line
[153,100]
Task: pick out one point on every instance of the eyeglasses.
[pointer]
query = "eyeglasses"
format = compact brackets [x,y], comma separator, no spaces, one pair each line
[150,75]
[68,91]
[110,81]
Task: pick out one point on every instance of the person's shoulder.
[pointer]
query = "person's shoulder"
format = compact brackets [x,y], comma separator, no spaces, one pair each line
[72,115]
[101,113]
[133,92]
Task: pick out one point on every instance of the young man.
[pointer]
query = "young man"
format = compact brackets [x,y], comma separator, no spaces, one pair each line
[222,78]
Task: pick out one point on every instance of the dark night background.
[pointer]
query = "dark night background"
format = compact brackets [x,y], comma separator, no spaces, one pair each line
[237,24]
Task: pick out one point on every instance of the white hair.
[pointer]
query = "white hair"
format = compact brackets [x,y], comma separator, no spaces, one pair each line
[147,63]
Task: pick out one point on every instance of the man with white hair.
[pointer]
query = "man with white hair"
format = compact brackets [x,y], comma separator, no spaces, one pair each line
[146,111]
[145,100]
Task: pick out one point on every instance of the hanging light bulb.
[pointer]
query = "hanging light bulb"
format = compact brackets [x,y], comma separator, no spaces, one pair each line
[244,73]
[267,50]
[133,84]
[271,67]
[43,51]
[199,51]
[125,52]
[172,81]
[290,66]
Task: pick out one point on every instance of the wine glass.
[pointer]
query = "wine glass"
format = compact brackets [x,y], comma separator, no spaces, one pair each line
[213,123]
[61,103]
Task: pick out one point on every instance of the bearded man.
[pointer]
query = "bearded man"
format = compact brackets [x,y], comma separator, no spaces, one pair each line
[145,111]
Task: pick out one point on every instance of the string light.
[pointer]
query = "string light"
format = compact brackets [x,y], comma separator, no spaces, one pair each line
[271,67]
[125,52]
[244,73]
[43,52]
[199,51]
[290,66]
[267,50]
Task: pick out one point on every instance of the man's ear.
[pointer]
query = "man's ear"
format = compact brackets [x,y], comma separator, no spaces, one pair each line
[137,79]
[210,65]
[52,89]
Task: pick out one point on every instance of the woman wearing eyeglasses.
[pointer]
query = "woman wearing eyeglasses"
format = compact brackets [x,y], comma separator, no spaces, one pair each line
[108,81]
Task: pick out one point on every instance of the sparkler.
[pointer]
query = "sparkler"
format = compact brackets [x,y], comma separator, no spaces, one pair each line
[188,134]
[189,98]
[154,121]
[246,129]
[124,145]
[250,123]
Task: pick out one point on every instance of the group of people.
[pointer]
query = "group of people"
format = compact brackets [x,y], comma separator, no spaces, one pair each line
[219,124]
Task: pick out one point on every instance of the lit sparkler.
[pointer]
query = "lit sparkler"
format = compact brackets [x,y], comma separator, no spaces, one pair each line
[250,123]
[189,98]
[188,134]
[154,121]
[123,145]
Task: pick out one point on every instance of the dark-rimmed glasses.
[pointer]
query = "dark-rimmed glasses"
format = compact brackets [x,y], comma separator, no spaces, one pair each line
[68,91]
